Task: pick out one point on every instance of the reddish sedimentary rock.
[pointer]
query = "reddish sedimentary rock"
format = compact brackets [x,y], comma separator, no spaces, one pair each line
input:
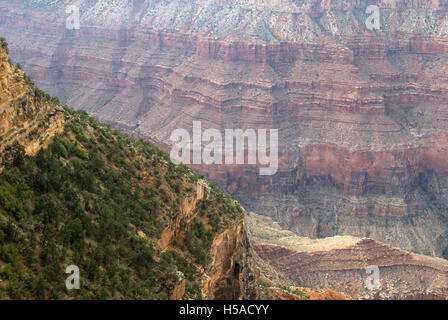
[362,115]
[402,275]
[361,268]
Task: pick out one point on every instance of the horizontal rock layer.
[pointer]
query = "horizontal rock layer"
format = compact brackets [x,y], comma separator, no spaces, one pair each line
[340,263]
[343,270]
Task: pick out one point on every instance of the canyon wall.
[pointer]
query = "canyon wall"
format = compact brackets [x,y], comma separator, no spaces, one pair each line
[232,274]
[361,114]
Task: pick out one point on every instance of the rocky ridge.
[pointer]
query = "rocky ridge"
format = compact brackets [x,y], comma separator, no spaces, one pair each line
[65,175]
[25,121]
[340,263]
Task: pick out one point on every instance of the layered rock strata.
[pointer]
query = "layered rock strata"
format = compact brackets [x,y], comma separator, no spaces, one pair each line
[341,263]
[232,273]
[26,123]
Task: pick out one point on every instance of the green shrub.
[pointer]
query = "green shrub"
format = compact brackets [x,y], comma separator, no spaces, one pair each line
[11,204]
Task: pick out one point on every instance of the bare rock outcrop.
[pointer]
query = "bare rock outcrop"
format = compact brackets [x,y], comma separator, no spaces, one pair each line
[26,123]
[340,263]
[232,273]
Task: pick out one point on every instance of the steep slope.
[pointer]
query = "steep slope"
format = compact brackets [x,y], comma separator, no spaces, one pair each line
[361,114]
[340,263]
[75,192]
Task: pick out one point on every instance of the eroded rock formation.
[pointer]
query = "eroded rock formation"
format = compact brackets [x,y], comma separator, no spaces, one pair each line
[340,263]
[232,273]
[26,123]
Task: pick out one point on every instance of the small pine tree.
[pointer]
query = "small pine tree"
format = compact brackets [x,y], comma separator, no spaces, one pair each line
[4,45]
